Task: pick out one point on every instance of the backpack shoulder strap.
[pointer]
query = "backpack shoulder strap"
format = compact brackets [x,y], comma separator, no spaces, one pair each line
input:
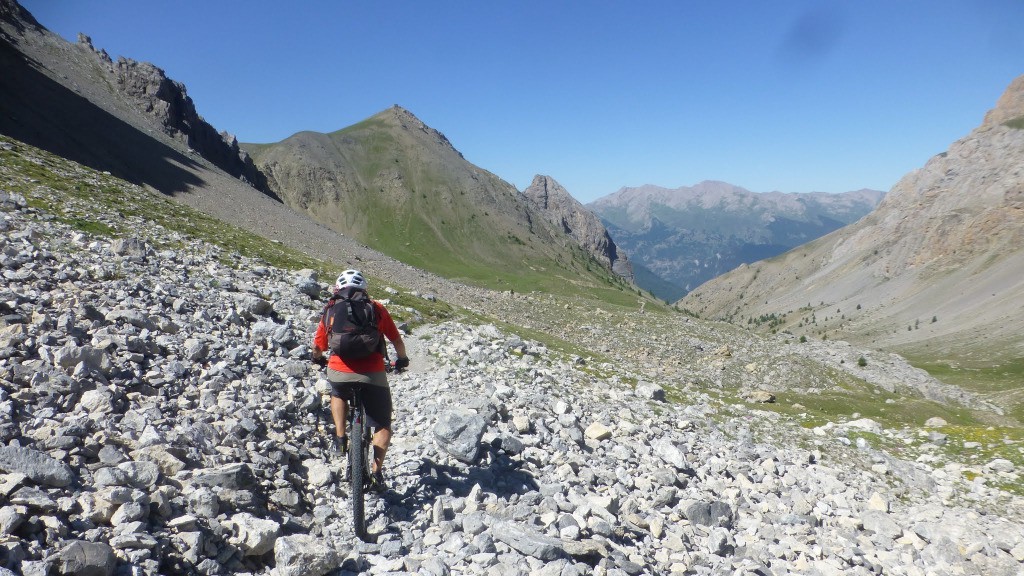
[373,307]
[325,316]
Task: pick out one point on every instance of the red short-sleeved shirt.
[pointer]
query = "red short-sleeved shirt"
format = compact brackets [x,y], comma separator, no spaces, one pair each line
[372,363]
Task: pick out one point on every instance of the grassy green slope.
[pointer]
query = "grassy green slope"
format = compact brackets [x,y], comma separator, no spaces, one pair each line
[401,188]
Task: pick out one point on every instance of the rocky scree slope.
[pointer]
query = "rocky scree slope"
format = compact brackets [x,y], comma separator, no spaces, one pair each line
[160,416]
[689,235]
[940,255]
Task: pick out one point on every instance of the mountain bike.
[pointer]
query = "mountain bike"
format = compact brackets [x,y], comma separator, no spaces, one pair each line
[357,468]
[360,455]
[360,448]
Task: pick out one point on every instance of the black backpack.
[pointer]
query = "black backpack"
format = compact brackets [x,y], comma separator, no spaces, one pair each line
[351,323]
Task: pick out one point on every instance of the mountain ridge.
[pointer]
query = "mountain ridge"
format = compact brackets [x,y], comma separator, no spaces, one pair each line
[398,185]
[110,113]
[942,249]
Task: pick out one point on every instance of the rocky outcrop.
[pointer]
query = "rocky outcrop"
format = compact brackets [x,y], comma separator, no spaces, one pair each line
[1009,107]
[168,102]
[12,13]
[559,207]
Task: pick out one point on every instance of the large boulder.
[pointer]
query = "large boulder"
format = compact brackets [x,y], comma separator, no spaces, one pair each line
[527,541]
[71,355]
[253,536]
[459,432]
[713,513]
[83,558]
[40,468]
[304,555]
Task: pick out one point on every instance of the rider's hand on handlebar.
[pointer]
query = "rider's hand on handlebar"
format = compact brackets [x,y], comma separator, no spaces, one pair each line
[318,357]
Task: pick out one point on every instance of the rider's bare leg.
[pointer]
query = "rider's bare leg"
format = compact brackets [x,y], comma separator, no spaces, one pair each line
[381,441]
[339,410]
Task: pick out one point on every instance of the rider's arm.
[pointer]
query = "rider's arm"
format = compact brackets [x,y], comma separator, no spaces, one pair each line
[400,347]
[387,326]
[319,342]
[402,362]
[317,355]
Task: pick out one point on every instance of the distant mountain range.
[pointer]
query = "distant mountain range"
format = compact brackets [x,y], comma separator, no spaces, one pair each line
[686,236]
[936,270]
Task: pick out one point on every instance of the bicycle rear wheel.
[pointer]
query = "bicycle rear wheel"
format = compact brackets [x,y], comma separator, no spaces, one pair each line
[357,469]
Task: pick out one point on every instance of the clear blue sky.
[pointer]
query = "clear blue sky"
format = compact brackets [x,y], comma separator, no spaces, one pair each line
[795,96]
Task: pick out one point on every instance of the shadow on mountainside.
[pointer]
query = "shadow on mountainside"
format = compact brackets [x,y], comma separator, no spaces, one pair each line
[41,112]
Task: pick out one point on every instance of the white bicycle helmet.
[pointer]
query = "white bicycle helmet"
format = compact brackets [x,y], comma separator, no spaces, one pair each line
[350,279]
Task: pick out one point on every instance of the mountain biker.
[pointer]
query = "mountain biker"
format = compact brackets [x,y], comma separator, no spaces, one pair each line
[342,372]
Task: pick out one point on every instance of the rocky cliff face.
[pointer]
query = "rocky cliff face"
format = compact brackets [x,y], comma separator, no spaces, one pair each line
[168,103]
[943,249]
[74,100]
[689,235]
[555,204]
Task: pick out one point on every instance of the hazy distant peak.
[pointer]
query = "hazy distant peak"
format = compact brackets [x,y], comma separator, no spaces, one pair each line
[1010,105]
[715,194]
[718,186]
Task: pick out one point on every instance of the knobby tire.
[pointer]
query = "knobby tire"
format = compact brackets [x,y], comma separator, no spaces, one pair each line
[357,469]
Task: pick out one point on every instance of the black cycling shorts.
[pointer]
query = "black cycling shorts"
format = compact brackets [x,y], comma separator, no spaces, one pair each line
[376,394]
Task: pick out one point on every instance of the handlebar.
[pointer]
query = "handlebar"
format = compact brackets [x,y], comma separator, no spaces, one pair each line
[389,365]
